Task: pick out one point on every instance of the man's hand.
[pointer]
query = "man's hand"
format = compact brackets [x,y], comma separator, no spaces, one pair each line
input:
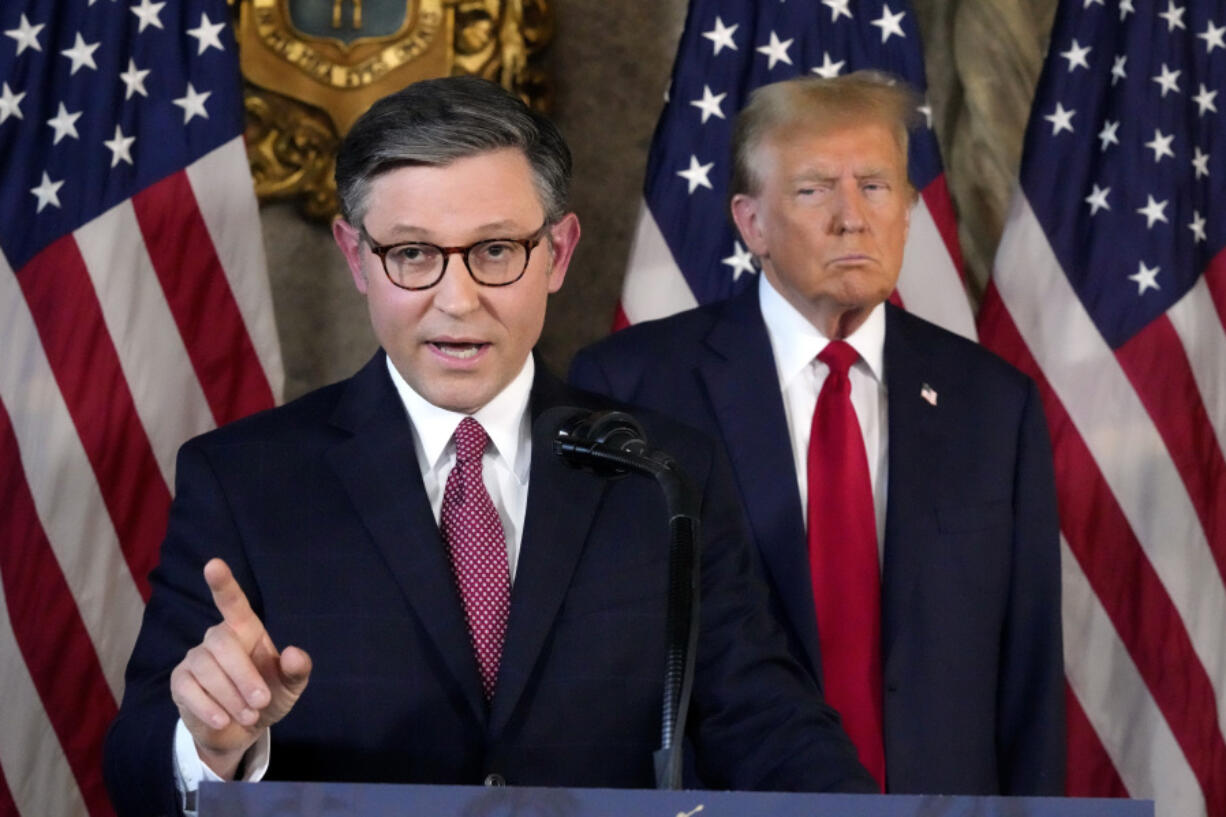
[234,684]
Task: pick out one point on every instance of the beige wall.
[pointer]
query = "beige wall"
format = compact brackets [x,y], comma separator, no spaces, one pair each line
[611,62]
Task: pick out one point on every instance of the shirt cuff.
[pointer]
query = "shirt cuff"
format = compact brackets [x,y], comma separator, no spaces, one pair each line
[190,770]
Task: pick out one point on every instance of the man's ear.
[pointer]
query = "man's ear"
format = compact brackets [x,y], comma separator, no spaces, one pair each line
[563,238]
[349,239]
[745,216]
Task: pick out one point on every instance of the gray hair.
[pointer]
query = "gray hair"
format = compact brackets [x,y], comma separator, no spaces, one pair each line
[437,121]
[820,104]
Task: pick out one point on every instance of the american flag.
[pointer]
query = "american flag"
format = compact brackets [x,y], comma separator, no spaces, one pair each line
[686,251]
[1110,290]
[134,313]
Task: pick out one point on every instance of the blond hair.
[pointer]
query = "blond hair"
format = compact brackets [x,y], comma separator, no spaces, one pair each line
[818,104]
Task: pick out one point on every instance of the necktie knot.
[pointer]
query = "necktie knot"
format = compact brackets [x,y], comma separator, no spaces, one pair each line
[470,440]
[839,356]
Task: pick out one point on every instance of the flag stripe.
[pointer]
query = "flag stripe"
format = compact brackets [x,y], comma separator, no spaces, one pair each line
[620,321]
[1154,362]
[929,283]
[139,322]
[941,206]
[230,220]
[654,286]
[42,610]
[1091,772]
[1101,403]
[200,299]
[58,292]
[1215,280]
[7,805]
[66,494]
[1203,337]
[38,776]
[1116,567]
[1103,678]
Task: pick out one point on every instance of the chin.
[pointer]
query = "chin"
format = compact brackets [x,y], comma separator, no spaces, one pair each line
[459,400]
[864,291]
[460,404]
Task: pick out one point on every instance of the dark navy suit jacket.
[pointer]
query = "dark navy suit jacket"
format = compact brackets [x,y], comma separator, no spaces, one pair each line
[319,509]
[971,638]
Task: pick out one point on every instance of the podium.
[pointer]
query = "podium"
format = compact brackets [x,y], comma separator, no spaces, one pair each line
[271,799]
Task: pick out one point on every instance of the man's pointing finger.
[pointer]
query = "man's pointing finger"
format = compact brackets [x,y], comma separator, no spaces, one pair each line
[232,603]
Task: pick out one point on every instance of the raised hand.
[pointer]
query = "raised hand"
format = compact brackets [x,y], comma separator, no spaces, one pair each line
[235,683]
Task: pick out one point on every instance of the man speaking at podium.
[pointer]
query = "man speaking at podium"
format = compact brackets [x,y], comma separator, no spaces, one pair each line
[463,606]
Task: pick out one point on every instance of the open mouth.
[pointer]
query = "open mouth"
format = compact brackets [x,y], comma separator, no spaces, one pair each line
[459,351]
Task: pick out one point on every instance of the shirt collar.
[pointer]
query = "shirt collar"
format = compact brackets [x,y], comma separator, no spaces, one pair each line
[796,342]
[504,418]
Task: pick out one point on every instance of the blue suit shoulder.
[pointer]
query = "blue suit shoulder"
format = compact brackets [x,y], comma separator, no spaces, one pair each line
[619,363]
[955,354]
[662,431]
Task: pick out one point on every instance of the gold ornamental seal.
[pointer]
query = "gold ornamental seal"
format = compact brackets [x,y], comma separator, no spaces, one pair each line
[313,66]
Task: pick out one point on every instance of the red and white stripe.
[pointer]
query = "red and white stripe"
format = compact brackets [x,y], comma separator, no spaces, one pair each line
[930,284]
[1138,436]
[142,328]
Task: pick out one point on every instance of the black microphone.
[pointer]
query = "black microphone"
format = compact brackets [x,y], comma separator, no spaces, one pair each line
[608,443]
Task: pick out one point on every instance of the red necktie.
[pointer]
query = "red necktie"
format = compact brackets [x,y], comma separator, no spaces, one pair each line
[843,561]
[478,550]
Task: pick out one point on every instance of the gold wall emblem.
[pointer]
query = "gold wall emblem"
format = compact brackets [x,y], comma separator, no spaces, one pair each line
[313,66]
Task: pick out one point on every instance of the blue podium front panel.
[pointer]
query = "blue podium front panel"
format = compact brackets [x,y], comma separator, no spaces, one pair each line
[379,800]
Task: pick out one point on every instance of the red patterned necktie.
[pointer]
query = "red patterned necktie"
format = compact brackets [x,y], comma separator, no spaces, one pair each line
[478,550]
[843,561]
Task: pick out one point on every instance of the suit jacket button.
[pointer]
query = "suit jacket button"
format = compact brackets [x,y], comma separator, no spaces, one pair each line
[495,779]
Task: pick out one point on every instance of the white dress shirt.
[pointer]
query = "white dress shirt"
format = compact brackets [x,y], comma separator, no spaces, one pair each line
[506,461]
[796,343]
[504,466]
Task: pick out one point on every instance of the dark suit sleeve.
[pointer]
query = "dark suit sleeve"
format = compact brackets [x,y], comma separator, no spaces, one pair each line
[760,721]
[138,761]
[1030,712]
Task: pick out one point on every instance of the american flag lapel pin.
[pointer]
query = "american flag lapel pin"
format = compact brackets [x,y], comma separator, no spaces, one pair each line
[929,394]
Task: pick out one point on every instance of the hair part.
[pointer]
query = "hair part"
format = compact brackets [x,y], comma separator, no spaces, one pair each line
[437,121]
[818,104]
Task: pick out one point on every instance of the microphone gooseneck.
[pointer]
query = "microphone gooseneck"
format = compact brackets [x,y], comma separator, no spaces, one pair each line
[612,444]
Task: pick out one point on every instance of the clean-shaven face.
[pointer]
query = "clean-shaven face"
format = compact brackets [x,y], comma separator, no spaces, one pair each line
[830,219]
[458,343]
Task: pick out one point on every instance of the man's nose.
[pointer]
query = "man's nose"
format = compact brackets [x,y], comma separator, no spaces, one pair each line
[456,293]
[848,216]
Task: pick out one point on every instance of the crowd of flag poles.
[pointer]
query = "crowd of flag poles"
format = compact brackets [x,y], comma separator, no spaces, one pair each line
[135,312]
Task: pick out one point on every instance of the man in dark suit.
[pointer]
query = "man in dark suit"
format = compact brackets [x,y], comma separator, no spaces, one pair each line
[954,684]
[465,606]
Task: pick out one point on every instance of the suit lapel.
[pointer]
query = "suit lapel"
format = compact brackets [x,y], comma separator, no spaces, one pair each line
[562,504]
[917,441]
[378,467]
[743,387]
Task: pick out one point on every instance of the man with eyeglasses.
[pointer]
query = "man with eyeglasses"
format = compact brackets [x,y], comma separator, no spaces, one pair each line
[466,607]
